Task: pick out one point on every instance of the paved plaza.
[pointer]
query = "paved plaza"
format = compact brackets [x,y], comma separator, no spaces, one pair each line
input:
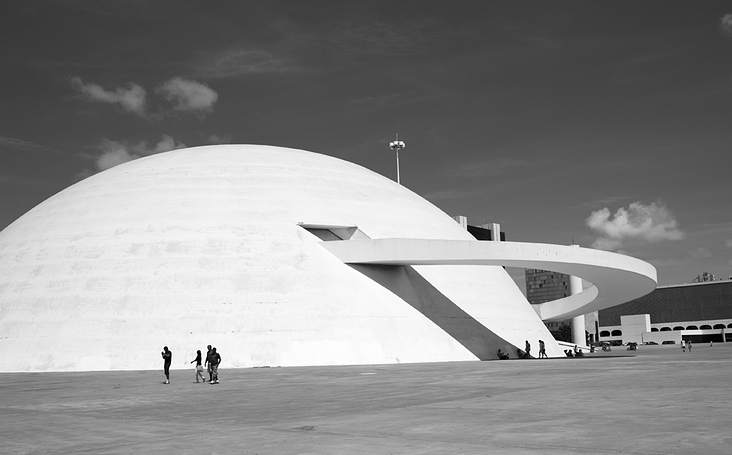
[660,401]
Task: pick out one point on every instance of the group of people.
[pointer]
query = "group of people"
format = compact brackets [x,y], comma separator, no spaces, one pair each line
[542,350]
[686,344]
[525,354]
[213,359]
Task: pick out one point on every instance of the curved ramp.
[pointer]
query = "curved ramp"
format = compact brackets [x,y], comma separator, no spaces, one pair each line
[616,278]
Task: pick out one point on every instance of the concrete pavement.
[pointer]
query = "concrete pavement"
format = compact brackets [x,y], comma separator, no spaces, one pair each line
[661,401]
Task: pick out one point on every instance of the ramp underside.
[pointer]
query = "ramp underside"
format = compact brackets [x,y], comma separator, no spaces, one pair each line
[413,288]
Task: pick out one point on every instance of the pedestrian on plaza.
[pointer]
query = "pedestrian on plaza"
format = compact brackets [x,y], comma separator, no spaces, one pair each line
[542,350]
[683,346]
[199,367]
[528,350]
[214,363]
[688,344]
[167,360]
[207,363]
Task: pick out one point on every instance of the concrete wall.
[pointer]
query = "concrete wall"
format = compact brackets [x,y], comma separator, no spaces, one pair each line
[633,327]
[660,337]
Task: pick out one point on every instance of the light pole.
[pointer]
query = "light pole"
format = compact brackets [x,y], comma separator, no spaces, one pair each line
[396,146]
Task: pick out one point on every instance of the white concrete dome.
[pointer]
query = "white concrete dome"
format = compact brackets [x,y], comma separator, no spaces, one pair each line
[217,245]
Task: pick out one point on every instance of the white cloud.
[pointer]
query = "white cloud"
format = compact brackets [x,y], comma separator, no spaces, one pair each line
[725,25]
[131,99]
[220,139]
[188,96]
[603,243]
[652,223]
[114,152]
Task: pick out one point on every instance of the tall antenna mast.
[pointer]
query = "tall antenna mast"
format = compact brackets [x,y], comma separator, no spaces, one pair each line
[396,146]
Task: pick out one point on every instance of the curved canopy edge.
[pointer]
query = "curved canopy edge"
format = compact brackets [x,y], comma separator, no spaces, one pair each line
[616,278]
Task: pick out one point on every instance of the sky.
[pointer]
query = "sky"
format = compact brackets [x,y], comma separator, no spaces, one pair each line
[606,124]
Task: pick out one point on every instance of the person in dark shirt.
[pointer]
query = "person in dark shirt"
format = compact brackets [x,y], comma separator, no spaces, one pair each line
[214,363]
[199,368]
[167,359]
[542,350]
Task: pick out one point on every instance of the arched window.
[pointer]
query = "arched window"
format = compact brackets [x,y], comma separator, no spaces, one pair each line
[665,329]
[692,327]
[605,333]
[729,326]
[617,333]
[718,326]
[678,327]
[706,327]
[653,329]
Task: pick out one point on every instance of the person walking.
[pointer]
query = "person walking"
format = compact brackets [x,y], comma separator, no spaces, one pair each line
[199,367]
[528,350]
[542,350]
[688,345]
[207,363]
[214,363]
[167,360]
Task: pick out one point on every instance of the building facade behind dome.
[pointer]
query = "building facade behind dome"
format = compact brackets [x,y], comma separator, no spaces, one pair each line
[699,312]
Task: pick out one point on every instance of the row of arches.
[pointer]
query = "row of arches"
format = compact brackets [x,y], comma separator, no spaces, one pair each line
[618,333]
[693,327]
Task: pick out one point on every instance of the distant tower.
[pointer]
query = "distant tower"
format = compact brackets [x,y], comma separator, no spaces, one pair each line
[396,146]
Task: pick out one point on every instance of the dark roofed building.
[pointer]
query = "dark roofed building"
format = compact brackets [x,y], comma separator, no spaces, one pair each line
[688,302]
[703,311]
[484,233]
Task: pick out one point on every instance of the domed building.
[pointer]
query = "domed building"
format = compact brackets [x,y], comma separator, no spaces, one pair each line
[237,246]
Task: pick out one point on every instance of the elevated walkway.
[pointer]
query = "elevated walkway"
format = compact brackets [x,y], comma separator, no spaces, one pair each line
[616,278]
